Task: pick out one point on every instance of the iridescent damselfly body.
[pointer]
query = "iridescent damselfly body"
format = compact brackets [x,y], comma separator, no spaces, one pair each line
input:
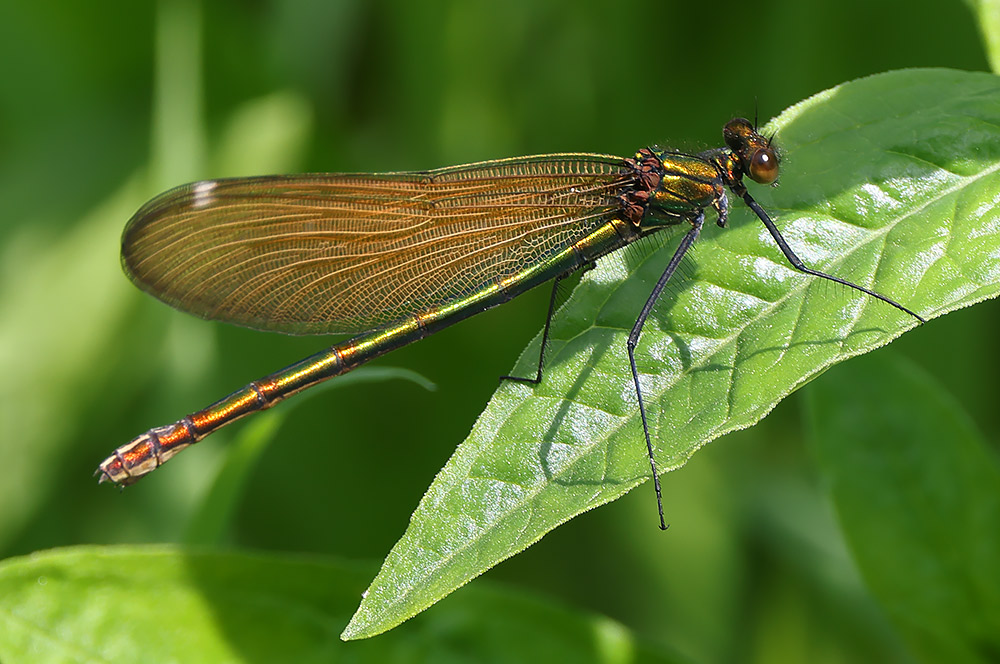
[395,257]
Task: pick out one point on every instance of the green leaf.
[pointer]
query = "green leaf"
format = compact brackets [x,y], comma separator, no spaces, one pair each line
[889,181]
[917,491]
[987,15]
[93,604]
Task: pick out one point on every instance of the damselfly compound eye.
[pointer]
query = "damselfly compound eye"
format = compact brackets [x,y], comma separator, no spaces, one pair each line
[763,167]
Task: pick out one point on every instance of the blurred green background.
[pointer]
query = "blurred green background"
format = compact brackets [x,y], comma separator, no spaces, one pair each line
[105,104]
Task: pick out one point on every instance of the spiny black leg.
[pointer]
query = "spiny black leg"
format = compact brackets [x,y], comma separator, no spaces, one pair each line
[801,267]
[633,341]
[545,339]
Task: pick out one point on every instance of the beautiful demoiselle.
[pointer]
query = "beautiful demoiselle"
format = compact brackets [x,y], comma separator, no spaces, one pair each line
[395,257]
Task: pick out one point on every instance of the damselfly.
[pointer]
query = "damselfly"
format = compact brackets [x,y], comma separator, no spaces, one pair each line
[395,257]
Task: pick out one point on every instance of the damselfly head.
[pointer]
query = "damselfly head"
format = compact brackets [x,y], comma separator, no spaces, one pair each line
[758,158]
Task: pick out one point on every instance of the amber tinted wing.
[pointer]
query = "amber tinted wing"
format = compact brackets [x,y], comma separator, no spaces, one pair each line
[332,253]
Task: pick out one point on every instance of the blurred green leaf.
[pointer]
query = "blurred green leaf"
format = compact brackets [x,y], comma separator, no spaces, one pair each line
[209,525]
[987,15]
[162,604]
[889,181]
[178,117]
[266,135]
[917,491]
[48,369]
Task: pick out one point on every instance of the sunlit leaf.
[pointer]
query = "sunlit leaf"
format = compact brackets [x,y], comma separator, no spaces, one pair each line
[163,604]
[889,181]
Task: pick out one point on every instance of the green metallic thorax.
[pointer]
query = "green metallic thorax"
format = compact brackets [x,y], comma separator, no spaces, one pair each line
[688,185]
